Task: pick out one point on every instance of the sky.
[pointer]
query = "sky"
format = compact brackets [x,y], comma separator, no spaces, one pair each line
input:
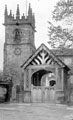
[43,13]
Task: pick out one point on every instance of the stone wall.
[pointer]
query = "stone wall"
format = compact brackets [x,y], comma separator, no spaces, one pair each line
[16,52]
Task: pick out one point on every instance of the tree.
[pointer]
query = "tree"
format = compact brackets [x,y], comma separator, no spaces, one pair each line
[63,9]
[61,37]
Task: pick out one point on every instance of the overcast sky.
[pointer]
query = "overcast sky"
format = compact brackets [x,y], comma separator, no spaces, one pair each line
[41,8]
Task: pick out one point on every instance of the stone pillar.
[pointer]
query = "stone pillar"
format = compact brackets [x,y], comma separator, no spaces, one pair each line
[21,93]
[56,73]
[30,79]
[59,91]
[24,79]
[17,92]
[62,80]
[27,79]
[13,97]
[59,78]
[27,91]
[69,89]
[22,87]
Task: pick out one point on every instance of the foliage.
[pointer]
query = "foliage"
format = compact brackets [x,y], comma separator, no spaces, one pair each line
[59,37]
[63,9]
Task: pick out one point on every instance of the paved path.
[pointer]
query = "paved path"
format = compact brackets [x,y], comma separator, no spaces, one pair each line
[35,112]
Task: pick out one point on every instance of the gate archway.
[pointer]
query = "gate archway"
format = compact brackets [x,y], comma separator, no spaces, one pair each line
[36,77]
[43,86]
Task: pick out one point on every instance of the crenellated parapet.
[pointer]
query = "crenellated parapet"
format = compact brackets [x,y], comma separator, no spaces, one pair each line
[10,19]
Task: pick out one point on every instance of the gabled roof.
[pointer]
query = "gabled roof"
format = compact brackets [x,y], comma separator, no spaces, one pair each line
[43,55]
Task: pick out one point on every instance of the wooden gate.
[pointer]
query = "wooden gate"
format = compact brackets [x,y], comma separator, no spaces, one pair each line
[43,87]
[43,94]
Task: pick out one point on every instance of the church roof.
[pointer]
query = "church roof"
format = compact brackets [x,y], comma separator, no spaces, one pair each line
[43,55]
[63,52]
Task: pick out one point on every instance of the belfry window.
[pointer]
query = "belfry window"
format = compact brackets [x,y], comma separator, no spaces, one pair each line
[17,35]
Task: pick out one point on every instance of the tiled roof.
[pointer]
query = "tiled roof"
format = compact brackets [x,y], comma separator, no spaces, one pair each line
[63,52]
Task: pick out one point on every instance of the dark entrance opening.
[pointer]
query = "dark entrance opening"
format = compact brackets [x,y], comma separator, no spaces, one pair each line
[52,82]
[3,93]
[36,77]
[6,93]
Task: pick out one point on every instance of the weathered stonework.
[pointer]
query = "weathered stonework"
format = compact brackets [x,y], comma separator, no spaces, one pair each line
[19,44]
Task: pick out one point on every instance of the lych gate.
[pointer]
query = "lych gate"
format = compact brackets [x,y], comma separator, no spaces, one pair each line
[45,77]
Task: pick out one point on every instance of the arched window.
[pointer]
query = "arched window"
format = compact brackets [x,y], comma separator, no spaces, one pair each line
[17,35]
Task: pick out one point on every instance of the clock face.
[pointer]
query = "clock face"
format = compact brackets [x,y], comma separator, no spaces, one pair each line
[17,51]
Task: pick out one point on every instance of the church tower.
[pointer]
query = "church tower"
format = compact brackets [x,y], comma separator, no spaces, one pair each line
[19,42]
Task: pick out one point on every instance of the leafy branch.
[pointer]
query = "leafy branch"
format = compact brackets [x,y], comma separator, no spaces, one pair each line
[63,9]
[58,37]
